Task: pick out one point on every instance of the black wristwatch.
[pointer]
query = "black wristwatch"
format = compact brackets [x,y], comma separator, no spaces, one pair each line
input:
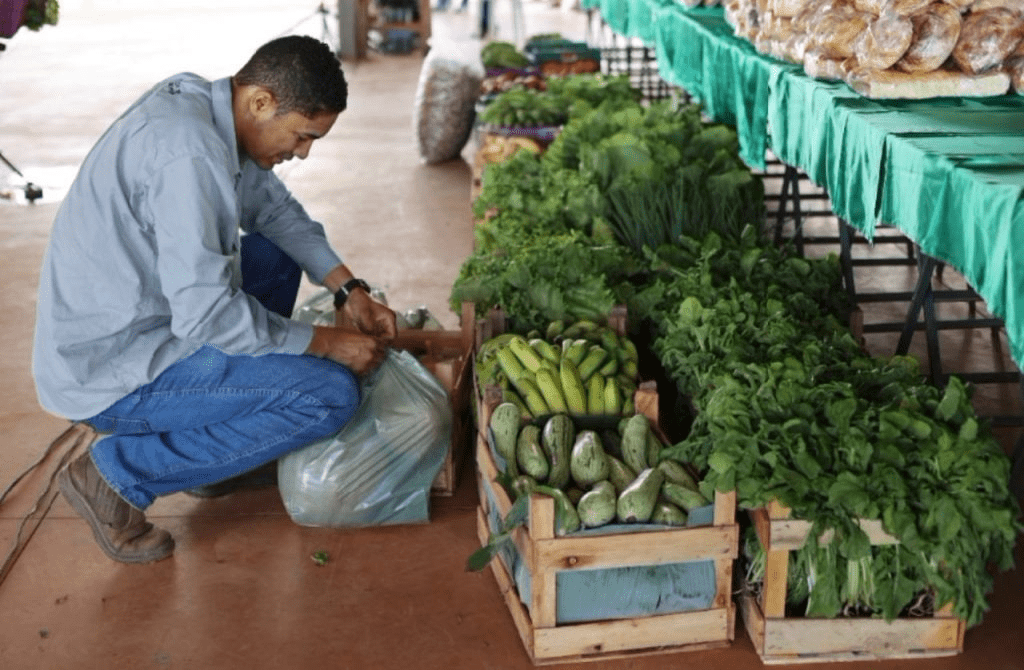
[352,284]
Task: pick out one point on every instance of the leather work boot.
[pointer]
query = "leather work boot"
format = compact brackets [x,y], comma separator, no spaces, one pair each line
[121,530]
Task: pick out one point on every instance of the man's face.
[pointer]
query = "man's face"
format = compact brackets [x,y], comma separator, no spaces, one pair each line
[273,138]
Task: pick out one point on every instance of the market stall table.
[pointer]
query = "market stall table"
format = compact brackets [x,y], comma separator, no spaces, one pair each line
[948,173]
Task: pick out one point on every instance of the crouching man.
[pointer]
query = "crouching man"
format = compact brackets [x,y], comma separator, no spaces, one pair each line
[164,301]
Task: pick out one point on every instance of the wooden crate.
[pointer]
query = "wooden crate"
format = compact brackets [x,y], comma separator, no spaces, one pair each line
[782,640]
[547,641]
[448,355]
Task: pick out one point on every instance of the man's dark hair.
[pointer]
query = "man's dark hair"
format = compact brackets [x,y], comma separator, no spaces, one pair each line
[301,72]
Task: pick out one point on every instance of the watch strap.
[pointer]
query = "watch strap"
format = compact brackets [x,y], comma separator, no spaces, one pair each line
[352,284]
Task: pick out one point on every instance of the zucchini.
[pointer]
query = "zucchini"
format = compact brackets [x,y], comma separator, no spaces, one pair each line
[529,453]
[504,426]
[636,503]
[634,442]
[567,520]
[597,506]
[557,438]
[588,463]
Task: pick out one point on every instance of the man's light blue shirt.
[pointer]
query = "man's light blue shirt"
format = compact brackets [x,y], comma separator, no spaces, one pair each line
[142,267]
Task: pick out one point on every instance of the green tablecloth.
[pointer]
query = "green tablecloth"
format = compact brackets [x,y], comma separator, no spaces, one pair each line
[697,51]
[635,18]
[949,173]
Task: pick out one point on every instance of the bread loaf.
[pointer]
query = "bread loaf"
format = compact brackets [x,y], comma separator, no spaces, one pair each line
[817,64]
[986,39]
[870,6]
[907,7]
[985,5]
[787,8]
[884,84]
[836,32]
[936,31]
[1015,68]
[795,48]
[806,20]
[884,41]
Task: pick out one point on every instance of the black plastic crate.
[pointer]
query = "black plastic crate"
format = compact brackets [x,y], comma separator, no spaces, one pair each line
[641,64]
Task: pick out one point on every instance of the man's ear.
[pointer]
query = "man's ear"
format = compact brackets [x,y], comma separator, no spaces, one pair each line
[262,103]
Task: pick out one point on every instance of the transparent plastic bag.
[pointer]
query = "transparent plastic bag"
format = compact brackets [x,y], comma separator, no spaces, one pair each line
[379,468]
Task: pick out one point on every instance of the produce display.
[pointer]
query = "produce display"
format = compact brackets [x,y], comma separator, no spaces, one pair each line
[596,476]
[510,79]
[788,406]
[911,48]
[565,230]
[501,54]
[583,369]
[556,101]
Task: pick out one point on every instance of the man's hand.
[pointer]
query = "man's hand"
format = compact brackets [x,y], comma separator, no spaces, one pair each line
[367,316]
[360,353]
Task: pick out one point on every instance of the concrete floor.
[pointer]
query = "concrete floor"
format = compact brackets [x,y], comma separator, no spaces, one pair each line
[241,590]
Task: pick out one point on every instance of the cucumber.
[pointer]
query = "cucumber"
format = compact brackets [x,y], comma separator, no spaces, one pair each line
[551,389]
[522,350]
[576,351]
[686,498]
[546,350]
[529,453]
[636,503]
[634,442]
[567,520]
[504,425]
[610,367]
[588,464]
[554,330]
[557,438]
[597,506]
[595,395]
[572,388]
[612,396]
[677,473]
[595,357]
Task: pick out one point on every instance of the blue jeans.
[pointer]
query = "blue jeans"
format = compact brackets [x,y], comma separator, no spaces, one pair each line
[212,416]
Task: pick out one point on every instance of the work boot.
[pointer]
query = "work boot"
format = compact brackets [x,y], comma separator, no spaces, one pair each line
[121,530]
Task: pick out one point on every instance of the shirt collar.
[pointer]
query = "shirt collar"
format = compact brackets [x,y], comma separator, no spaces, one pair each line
[224,119]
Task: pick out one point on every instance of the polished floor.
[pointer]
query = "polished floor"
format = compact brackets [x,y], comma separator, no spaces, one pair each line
[241,590]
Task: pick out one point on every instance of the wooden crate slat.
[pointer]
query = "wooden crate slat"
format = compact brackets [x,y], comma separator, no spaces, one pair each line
[799,640]
[666,631]
[781,640]
[620,550]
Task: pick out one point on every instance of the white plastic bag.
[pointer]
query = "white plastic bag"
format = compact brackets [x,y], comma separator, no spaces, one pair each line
[379,468]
